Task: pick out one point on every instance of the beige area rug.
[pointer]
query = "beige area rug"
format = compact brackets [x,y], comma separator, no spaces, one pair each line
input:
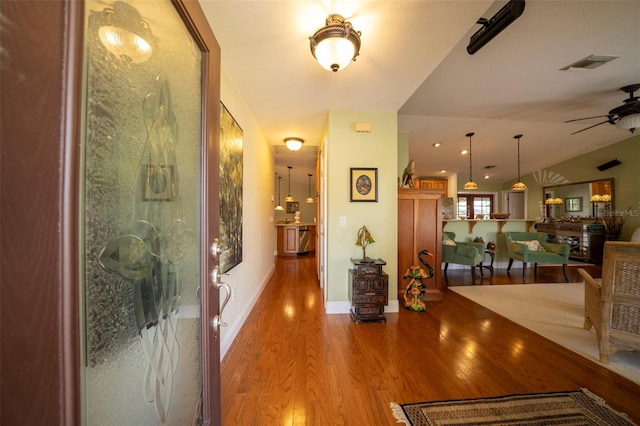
[554,311]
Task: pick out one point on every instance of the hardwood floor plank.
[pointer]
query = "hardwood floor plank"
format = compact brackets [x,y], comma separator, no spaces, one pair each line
[292,364]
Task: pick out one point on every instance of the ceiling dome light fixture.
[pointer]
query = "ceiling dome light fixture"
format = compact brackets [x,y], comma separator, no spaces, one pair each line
[336,44]
[629,122]
[518,186]
[309,199]
[289,197]
[279,206]
[471,184]
[124,33]
[294,144]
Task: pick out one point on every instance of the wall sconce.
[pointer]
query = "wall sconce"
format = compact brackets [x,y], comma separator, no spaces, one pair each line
[124,33]
[293,144]
[336,44]
[471,184]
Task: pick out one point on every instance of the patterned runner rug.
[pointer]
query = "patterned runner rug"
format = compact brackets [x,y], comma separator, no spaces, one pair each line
[579,407]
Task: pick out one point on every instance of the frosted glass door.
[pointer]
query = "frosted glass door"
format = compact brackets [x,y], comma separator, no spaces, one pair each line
[141,217]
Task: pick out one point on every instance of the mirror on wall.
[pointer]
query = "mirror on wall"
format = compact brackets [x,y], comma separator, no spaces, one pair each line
[589,199]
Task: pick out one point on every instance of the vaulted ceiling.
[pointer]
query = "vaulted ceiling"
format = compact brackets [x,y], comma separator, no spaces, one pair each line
[414,61]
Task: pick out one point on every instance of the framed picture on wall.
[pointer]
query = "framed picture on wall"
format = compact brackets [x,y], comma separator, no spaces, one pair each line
[364,184]
[292,206]
[573,204]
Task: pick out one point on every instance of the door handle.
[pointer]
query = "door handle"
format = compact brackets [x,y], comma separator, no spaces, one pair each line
[216,283]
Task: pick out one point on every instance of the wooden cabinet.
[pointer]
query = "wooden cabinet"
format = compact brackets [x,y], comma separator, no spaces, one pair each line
[368,292]
[288,240]
[296,239]
[420,228]
[434,184]
[586,242]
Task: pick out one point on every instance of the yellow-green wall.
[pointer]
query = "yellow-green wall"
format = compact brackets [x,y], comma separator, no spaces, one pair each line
[346,149]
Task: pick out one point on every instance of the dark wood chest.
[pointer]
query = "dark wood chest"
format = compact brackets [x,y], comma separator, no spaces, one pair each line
[368,292]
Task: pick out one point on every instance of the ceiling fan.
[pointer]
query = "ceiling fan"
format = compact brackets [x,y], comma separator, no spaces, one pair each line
[625,116]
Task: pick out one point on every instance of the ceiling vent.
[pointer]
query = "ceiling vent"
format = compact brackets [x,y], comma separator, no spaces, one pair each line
[589,63]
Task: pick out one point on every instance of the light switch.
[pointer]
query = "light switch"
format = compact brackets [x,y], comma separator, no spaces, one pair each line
[343,221]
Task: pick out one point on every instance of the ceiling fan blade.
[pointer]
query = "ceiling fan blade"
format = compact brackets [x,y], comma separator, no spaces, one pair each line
[591,127]
[585,118]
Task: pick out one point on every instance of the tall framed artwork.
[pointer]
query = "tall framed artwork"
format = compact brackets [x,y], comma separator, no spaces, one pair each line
[230,190]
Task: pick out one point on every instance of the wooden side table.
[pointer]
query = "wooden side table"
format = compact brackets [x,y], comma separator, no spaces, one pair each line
[368,291]
[492,255]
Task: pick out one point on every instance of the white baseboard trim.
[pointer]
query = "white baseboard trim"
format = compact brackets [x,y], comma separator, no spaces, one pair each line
[392,307]
[337,307]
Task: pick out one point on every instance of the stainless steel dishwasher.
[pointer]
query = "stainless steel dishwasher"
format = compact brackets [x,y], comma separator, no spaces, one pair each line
[305,239]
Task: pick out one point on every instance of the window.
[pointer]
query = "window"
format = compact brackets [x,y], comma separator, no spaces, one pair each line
[470,205]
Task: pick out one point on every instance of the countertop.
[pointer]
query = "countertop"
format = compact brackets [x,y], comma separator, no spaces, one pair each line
[295,224]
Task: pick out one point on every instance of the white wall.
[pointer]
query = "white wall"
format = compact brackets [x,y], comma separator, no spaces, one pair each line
[258,233]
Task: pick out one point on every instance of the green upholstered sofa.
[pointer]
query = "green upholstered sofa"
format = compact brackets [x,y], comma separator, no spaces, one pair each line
[462,253]
[533,247]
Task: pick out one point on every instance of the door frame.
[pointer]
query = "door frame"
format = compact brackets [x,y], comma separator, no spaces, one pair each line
[39,171]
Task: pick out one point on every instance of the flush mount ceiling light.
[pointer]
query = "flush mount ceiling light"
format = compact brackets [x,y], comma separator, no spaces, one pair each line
[279,206]
[289,197]
[471,184]
[336,44]
[124,33]
[518,186]
[309,199]
[293,144]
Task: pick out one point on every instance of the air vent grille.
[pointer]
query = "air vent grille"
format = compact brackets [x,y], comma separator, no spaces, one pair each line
[589,63]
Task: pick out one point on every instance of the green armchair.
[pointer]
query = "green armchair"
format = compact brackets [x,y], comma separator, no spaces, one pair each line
[461,253]
[533,247]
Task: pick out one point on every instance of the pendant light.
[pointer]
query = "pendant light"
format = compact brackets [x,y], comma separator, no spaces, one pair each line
[518,186]
[309,200]
[279,206]
[289,197]
[471,184]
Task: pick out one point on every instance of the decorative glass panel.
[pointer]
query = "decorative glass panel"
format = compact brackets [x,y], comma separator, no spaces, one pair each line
[142,216]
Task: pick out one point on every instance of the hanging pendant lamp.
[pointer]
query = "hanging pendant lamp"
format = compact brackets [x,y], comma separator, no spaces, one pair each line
[471,184]
[289,197]
[309,199]
[279,206]
[518,186]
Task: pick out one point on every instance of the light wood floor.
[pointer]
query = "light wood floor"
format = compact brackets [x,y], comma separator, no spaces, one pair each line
[294,365]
